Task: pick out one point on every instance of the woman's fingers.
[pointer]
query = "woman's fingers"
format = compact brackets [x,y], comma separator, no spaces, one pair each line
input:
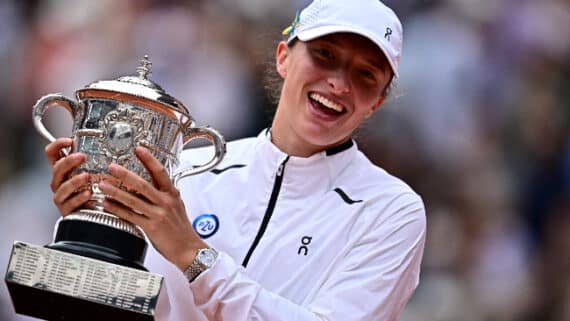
[134,182]
[63,167]
[53,150]
[73,202]
[125,198]
[155,169]
[124,212]
[66,197]
[69,187]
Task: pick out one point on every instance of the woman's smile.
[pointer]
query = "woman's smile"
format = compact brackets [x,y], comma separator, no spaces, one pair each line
[325,108]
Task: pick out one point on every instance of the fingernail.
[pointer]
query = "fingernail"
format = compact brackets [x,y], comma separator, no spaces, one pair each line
[141,150]
[103,185]
[113,168]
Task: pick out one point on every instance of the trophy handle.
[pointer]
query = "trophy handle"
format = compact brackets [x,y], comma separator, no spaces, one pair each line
[219,145]
[44,104]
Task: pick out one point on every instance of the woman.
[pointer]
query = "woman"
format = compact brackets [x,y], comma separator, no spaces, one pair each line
[295,224]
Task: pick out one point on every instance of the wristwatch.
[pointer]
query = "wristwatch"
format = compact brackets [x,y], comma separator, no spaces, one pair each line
[204,259]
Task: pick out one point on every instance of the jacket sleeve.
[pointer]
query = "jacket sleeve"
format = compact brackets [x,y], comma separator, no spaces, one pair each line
[374,281]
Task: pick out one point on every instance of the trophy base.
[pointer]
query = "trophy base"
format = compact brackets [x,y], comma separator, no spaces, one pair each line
[54,285]
[101,242]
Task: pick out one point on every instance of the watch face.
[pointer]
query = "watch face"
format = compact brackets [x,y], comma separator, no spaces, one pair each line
[206,257]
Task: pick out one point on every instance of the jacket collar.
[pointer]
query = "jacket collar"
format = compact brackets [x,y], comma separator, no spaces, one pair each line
[302,175]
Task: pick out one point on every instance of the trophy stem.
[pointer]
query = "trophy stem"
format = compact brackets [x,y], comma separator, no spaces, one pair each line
[97,197]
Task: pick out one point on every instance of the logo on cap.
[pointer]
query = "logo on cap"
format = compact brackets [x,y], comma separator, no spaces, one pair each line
[294,25]
[388,33]
[206,225]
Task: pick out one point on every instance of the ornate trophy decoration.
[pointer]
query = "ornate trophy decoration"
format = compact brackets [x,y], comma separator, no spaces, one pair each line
[94,269]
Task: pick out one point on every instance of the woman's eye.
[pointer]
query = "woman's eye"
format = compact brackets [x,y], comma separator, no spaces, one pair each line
[367,74]
[324,53]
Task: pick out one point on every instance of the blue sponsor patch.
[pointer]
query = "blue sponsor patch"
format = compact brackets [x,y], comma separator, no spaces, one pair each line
[206,225]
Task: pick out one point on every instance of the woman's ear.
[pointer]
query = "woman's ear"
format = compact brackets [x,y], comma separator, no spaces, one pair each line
[378,103]
[376,106]
[281,56]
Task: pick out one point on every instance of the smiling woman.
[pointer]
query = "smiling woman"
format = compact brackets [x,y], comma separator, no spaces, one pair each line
[296,223]
[332,84]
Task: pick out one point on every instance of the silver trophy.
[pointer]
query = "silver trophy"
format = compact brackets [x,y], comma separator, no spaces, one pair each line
[94,268]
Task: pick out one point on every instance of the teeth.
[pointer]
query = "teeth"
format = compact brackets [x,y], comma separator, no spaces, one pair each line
[327,103]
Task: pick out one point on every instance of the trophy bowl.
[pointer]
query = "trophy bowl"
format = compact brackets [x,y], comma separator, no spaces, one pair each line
[110,119]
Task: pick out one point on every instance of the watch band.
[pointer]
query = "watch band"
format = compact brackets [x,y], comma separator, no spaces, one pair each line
[204,259]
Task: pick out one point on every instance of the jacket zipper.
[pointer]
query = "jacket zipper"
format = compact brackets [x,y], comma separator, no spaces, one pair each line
[268,211]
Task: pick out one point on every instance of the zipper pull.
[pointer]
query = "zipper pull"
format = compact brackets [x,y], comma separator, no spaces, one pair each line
[281,167]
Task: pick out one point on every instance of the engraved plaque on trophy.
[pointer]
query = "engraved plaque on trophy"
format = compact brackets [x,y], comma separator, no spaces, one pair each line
[94,269]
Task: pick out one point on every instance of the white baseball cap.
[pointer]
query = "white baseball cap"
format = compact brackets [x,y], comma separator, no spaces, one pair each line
[369,18]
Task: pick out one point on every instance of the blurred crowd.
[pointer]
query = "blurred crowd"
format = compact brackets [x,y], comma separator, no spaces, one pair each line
[478,124]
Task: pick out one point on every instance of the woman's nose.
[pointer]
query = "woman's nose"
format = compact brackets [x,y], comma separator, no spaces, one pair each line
[339,82]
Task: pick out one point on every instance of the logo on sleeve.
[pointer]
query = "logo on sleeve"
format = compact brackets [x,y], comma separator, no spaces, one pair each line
[206,225]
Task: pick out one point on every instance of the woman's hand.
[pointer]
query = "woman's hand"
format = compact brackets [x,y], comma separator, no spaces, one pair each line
[66,197]
[158,209]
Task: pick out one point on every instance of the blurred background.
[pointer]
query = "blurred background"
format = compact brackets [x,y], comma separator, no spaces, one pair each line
[478,124]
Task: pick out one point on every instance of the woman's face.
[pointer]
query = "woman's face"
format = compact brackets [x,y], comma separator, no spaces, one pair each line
[331,84]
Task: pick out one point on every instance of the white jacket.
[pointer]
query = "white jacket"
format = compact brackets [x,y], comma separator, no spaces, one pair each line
[328,237]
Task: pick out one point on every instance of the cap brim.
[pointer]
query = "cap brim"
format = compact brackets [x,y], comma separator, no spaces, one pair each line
[313,33]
